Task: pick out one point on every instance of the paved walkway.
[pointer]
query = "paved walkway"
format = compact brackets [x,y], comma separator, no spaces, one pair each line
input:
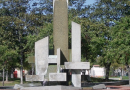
[111,87]
[122,87]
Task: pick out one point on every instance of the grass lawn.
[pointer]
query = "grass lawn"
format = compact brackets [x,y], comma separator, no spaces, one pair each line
[123,77]
[11,82]
[102,79]
[14,81]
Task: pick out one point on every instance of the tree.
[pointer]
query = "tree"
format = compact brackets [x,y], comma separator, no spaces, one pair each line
[13,26]
[109,10]
[121,41]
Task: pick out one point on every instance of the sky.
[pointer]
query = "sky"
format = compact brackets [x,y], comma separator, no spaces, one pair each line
[88,2]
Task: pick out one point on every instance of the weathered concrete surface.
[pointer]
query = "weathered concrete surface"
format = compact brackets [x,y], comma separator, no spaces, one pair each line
[51,88]
[52,59]
[76,42]
[19,86]
[41,56]
[76,78]
[57,76]
[34,77]
[58,0]
[100,86]
[77,65]
[58,60]
[60,28]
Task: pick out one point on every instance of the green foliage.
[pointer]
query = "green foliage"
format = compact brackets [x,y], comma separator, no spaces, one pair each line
[121,40]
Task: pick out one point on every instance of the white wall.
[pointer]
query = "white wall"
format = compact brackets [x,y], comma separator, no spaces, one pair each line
[97,72]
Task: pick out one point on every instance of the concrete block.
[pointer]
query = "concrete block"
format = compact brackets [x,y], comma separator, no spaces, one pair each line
[100,86]
[52,88]
[57,76]
[19,86]
[76,42]
[34,77]
[77,65]
[52,59]
[41,56]
[60,28]
[58,60]
[76,78]
[58,0]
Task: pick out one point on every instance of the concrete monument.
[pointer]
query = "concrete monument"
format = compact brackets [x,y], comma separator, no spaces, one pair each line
[76,65]
[60,28]
[60,35]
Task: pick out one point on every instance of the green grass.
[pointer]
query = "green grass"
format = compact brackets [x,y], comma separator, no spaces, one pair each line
[102,79]
[11,82]
[124,77]
[14,81]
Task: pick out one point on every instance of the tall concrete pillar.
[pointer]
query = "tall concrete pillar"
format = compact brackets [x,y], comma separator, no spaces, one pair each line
[60,28]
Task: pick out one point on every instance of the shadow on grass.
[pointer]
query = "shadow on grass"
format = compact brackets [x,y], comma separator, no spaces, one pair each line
[93,79]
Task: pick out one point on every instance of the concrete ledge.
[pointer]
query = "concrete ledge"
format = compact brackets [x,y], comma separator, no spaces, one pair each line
[51,88]
[34,77]
[77,65]
[52,59]
[57,76]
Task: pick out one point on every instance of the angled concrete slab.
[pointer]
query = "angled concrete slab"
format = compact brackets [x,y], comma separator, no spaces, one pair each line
[41,56]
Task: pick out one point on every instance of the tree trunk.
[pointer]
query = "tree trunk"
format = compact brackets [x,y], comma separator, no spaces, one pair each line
[7,75]
[3,75]
[21,75]
[21,69]
[107,66]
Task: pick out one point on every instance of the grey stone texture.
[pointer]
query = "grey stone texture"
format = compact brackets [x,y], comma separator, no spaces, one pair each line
[51,88]
[76,78]
[57,76]
[76,42]
[77,65]
[18,86]
[34,77]
[52,59]
[100,86]
[58,60]
[41,56]
[60,29]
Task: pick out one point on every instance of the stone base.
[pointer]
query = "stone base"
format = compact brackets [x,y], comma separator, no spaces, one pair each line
[51,88]
[34,77]
[18,86]
[57,76]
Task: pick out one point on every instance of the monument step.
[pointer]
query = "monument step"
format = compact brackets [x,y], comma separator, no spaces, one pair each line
[57,76]
[52,88]
[34,77]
